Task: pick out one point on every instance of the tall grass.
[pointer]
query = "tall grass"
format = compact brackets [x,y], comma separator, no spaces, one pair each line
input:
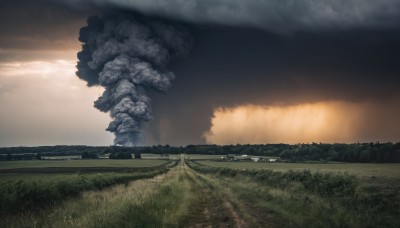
[324,184]
[130,163]
[33,194]
[164,208]
[304,198]
[182,197]
[381,170]
[160,201]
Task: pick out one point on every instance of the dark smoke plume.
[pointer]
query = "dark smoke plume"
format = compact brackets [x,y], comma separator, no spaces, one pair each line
[128,55]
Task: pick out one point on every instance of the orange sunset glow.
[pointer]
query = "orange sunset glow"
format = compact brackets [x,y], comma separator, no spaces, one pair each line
[315,122]
[44,101]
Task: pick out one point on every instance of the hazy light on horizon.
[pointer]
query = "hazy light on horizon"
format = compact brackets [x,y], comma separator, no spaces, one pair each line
[329,122]
[44,103]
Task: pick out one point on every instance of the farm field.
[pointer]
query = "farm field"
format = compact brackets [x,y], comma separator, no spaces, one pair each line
[309,198]
[204,194]
[80,163]
[202,157]
[160,157]
[390,170]
[181,198]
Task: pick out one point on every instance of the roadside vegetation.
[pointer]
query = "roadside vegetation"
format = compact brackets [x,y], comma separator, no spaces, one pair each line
[190,193]
[304,198]
[369,170]
[24,192]
[133,163]
[24,195]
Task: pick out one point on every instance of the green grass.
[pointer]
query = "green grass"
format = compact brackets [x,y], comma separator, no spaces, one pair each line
[391,170]
[153,156]
[203,157]
[158,156]
[204,196]
[5,177]
[156,202]
[26,194]
[164,207]
[181,198]
[313,199]
[62,157]
[22,192]
[80,163]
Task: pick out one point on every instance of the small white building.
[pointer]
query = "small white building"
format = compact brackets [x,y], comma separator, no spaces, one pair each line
[272,160]
[255,159]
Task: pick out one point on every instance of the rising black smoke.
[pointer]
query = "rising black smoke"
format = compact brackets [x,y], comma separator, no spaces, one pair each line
[128,55]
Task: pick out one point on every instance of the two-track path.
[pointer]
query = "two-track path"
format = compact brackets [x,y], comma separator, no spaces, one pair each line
[180,198]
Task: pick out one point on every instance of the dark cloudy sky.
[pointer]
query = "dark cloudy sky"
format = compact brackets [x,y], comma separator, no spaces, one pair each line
[259,72]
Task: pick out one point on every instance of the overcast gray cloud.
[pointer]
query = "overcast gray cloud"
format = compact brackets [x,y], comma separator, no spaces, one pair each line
[53,23]
[275,15]
[344,51]
[39,25]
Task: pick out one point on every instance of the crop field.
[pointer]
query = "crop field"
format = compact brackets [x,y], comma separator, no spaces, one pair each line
[389,170]
[80,163]
[325,195]
[202,157]
[160,157]
[200,193]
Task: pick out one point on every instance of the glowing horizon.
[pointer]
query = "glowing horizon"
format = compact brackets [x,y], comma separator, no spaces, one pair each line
[45,104]
[329,122]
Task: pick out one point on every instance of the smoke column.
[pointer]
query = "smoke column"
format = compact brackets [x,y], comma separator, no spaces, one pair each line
[128,56]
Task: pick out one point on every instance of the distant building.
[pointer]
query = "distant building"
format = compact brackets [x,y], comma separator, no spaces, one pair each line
[255,159]
[272,160]
[230,157]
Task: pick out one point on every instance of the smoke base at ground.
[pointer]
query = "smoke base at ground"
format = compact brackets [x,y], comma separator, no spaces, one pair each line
[128,55]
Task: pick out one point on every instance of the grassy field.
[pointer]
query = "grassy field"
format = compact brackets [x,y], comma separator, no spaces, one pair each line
[181,198]
[61,157]
[5,177]
[306,198]
[80,163]
[391,170]
[202,157]
[26,194]
[158,156]
[22,191]
[207,194]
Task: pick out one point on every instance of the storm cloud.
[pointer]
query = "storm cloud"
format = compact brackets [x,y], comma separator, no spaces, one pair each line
[128,56]
[44,18]
[259,53]
[275,15]
[230,67]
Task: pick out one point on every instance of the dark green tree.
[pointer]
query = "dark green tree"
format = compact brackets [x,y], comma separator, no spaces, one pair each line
[38,156]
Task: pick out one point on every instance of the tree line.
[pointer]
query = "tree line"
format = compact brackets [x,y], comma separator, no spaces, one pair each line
[356,152]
